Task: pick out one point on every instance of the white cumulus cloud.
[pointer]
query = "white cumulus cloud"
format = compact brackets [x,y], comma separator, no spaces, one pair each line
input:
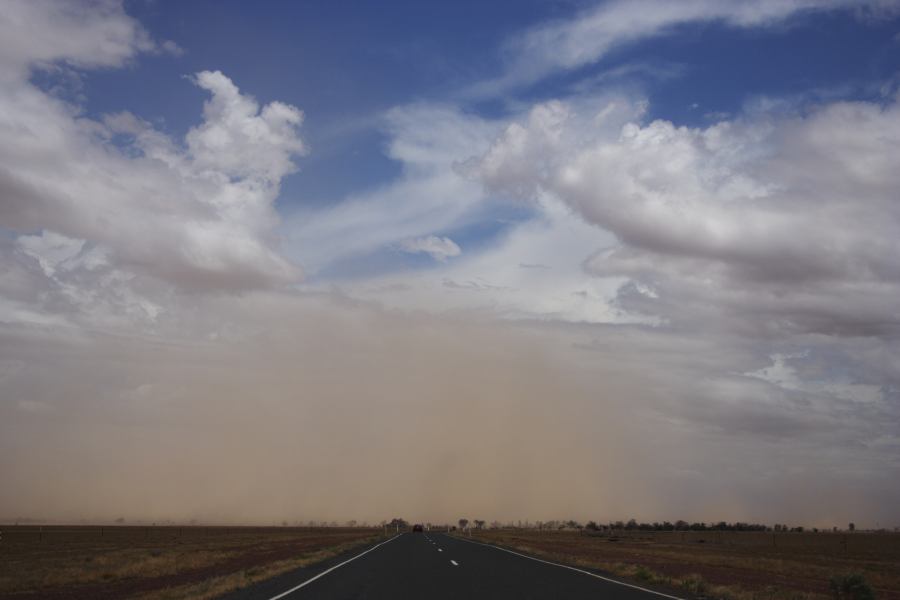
[114,212]
[785,220]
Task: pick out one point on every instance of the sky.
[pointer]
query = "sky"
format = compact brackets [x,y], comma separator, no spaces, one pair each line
[531,260]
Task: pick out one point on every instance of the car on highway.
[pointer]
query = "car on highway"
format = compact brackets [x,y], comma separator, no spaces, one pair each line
[418,527]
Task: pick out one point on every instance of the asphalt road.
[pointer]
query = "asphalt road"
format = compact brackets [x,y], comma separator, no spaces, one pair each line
[434,565]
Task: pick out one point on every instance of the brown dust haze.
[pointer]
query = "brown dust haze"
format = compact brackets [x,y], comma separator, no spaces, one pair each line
[285,407]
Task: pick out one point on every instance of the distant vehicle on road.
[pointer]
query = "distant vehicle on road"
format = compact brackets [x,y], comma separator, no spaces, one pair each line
[418,527]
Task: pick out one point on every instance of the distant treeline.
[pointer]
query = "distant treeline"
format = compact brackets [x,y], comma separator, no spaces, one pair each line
[634,525]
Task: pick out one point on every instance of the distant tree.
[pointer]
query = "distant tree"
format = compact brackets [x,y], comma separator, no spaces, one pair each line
[632,524]
[463,523]
[852,527]
[479,524]
[351,523]
[592,526]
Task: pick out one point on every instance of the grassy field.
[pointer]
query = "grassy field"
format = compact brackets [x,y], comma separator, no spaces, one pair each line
[730,565]
[157,563]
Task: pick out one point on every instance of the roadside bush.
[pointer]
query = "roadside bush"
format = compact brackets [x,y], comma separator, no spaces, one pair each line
[852,586]
[645,575]
[694,584]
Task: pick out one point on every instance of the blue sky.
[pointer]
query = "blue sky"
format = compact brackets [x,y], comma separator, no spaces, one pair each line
[346,64]
[349,218]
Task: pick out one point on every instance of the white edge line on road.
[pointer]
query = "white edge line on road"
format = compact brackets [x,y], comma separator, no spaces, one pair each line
[637,587]
[326,572]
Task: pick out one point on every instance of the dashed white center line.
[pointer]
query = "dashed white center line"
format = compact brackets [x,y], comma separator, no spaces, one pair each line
[455,564]
[439,550]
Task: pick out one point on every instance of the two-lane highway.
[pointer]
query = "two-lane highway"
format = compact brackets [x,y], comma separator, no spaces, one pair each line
[435,565]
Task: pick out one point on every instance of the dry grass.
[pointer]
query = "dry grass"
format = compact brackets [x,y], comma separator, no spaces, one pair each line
[733,566]
[218,586]
[159,562]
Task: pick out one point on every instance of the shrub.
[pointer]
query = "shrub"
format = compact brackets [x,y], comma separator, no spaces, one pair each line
[694,584]
[851,586]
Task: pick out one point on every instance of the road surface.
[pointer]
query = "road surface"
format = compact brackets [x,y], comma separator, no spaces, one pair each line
[434,565]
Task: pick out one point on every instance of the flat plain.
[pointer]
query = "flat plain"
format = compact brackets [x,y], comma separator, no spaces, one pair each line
[721,564]
[158,563]
[168,562]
